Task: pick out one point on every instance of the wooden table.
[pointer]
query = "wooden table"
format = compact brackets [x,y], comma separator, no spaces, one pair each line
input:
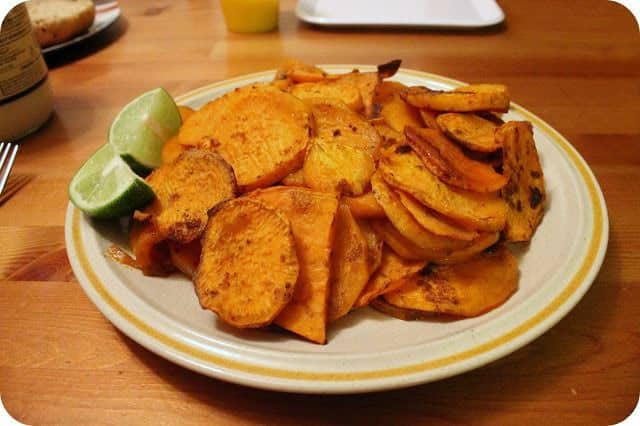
[577,66]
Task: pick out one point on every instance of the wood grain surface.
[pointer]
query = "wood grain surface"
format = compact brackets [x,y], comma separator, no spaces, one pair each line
[576,64]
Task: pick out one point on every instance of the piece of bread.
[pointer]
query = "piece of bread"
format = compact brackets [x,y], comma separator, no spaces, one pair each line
[57,21]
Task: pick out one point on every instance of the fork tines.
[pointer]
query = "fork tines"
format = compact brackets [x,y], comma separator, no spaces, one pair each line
[8,153]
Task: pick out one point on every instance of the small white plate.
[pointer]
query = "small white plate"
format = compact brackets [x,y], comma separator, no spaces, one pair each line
[366,350]
[106,14]
[401,13]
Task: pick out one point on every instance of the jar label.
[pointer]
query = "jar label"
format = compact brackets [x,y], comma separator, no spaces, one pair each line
[21,64]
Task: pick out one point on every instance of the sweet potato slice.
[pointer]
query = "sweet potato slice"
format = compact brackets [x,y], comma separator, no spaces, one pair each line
[395,111]
[401,245]
[299,72]
[365,206]
[374,245]
[525,193]
[404,222]
[333,167]
[349,264]
[260,130]
[249,267]
[470,130]
[430,118]
[341,90]
[404,170]
[185,257]
[464,289]
[481,97]
[171,149]
[481,243]
[185,190]
[335,122]
[150,250]
[432,221]
[312,216]
[446,160]
[381,305]
[366,83]
[388,276]
[294,179]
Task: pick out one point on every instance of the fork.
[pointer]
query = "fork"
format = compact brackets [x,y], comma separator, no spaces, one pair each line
[8,153]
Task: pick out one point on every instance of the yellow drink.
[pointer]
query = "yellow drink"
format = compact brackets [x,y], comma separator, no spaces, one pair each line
[250,16]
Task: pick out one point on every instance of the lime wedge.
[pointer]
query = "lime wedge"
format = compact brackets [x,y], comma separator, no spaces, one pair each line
[142,127]
[105,187]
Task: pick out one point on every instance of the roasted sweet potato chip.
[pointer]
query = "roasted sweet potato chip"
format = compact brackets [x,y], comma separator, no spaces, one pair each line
[487,97]
[446,160]
[395,111]
[402,246]
[404,222]
[349,264]
[312,216]
[525,193]
[149,248]
[294,179]
[333,167]
[260,130]
[366,82]
[249,267]
[388,276]
[482,242]
[185,190]
[381,305]
[365,206]
[341,90]
[464,289]
[374,245]
[335,122]
[404,170]
[432,221]
[430,118]
[299,72]
[470,130]
[185,257]
[171,149]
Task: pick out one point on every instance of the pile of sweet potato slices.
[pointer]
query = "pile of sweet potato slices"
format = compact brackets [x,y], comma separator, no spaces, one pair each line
[298,201]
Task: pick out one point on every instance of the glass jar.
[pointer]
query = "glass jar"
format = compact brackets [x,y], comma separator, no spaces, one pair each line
[26,100]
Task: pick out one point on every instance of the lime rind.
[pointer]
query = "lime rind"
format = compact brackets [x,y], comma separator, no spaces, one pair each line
[142,127]
[105,187]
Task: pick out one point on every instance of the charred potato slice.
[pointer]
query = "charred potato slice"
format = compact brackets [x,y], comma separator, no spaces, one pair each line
[469,130]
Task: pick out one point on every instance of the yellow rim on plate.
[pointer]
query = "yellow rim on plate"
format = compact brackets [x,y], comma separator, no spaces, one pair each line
[580,280]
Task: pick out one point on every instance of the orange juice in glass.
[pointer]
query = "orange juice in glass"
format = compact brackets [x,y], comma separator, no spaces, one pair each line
[250,16]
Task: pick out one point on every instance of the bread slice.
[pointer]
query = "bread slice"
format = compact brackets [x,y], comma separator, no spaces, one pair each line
[57,21]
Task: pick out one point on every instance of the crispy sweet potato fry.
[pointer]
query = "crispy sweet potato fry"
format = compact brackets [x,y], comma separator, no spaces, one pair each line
[237,126]
[388,276]
[432,221]
[349,264]
[185,190]
[487,97]
[312,216]
[365,206]
[338,89]
[525,193]
[401,245]
[404,222]
[446,160]
[374,245]
[470,130]
[185,257]
[404,170]
[249,266]
[333,167]
[465,289]
[335,122]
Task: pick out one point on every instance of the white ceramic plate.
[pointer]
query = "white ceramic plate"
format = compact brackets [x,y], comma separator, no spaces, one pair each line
[401,13]
[366,350]
[107,12]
